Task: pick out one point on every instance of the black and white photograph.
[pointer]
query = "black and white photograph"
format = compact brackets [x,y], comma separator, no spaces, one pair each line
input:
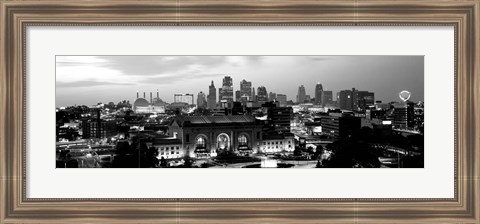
[247,111]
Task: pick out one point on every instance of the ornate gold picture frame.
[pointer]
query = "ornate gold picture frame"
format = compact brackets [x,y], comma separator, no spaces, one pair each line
[16,16]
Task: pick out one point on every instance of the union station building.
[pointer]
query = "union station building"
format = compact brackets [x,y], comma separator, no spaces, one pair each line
[206,136]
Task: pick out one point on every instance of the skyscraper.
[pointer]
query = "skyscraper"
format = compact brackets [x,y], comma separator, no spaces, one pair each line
[254,97]
[237,96]
[262,95]
[282,99]
[301,94]
[365,99]
[201,101]
[318,94]
[245,91]
[404,114]
[345,98]
[212,97]
[226,92]
[272,96]
[327,97]
[355,100]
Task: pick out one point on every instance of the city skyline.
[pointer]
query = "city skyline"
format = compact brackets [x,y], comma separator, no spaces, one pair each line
[116,78]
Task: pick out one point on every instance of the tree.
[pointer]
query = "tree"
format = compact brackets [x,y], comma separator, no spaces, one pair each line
[163,162]
[349,153]
[297,151]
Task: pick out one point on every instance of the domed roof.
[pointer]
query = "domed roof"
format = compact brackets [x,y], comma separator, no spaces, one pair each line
[158,102]
[140,102]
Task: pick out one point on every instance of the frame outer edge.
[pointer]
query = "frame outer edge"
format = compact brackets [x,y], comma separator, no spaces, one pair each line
[8,121]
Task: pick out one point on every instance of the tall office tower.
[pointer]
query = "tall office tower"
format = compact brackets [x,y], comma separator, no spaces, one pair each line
[403,115]
[254,97]
[212,97]
[245,91]
[365,99]
[327,98]
[354,99]
[282,99]
[237,96]
[318,94]
[262,95]
[301,94]
[272,96]
[345,99]
[201,101]
[308,99]
[226,92]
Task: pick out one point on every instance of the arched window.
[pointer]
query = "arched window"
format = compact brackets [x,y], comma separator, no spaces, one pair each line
[201,142]
[242,140]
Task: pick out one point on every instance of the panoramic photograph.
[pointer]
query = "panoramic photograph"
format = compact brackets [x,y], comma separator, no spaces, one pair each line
[252,111]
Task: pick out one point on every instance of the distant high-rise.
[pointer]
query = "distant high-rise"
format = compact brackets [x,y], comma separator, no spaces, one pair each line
[226,92]
[308,99]
[245,91]
[201,101]
[355,100]
[237,96]
[272,96]
[301,94]
[254,97]
[282,99]
[183,98]
[327,98]
[345,99]
[365,99]
[262,95]
[318,94]
[212,97]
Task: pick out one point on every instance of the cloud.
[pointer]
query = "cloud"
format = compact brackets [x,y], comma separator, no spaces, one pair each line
[172,78]
[88,83]
[155,65]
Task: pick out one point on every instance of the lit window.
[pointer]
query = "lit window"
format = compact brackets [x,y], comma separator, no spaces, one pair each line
[242,140]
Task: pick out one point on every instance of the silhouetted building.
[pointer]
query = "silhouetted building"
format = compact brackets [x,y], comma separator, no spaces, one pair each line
[404,115]
[201,101]
[282,99]
[301,94]
[237,96]
[319,94]
[278,118]
[338,126]
[226,92]
[212,97]
[262,95]
[345,100]
[365,99]
[327,98]
[245,91]
[254,97]
[308,99]
[272,96]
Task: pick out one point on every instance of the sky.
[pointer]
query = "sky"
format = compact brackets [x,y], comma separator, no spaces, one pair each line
[88,80]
